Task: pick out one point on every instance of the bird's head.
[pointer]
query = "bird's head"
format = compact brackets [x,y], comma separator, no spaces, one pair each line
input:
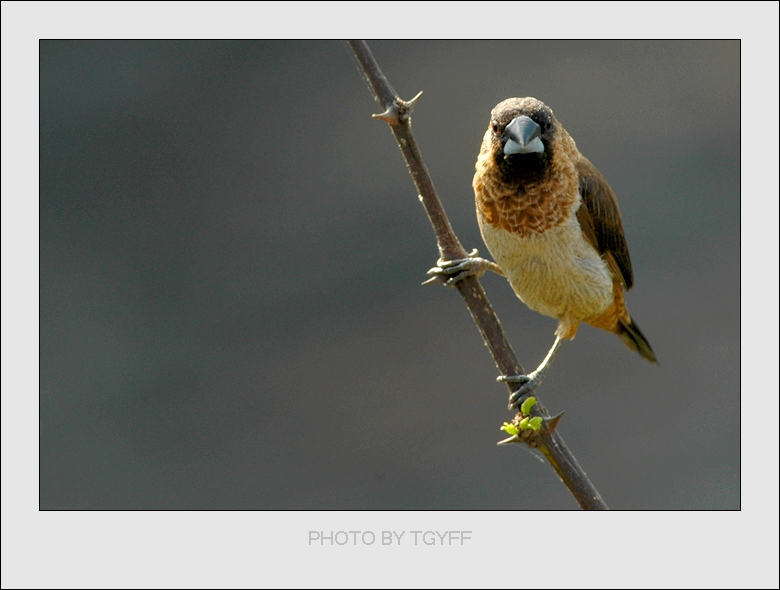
[520,137]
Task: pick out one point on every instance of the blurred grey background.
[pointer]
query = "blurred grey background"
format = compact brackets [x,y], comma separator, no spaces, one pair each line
[231,253]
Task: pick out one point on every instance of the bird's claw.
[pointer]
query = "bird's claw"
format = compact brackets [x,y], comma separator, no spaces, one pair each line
[449,272]
[528,383]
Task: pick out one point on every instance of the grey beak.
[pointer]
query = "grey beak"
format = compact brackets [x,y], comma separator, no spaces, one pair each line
[523,137]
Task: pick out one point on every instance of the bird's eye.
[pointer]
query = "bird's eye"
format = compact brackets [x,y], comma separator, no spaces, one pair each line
[495,128]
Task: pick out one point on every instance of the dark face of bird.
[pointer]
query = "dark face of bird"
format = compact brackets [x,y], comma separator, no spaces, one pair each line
[521,134]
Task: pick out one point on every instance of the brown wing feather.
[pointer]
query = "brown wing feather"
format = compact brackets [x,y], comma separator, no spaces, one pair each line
[600,219]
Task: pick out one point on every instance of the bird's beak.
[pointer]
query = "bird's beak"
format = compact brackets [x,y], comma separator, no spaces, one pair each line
[523,137]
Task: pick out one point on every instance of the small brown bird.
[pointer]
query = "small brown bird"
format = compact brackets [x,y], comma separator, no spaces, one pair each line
[552,224]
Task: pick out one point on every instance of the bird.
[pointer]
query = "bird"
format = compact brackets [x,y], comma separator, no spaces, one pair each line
[553,227]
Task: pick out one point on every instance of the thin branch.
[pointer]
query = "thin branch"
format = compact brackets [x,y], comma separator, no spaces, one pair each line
[397,114]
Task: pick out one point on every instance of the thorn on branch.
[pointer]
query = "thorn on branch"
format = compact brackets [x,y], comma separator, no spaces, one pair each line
[552,422]
[390,116]
[409,105]
[437,279]
[512,439]
[399,111]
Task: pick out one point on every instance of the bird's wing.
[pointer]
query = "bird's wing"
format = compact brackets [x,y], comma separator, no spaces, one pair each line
[600,220]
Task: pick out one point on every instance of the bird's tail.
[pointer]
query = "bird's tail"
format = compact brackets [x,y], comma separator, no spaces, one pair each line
[632,337]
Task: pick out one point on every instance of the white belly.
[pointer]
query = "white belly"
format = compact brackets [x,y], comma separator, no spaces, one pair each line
[557,273]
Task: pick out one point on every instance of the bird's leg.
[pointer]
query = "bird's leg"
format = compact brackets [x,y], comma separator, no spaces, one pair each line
[450,272]
[532,380]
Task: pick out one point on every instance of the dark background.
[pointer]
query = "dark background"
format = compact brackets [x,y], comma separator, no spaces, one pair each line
[231,253]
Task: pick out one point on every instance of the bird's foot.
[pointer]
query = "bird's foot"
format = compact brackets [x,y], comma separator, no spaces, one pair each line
[528,383]
[449,272]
